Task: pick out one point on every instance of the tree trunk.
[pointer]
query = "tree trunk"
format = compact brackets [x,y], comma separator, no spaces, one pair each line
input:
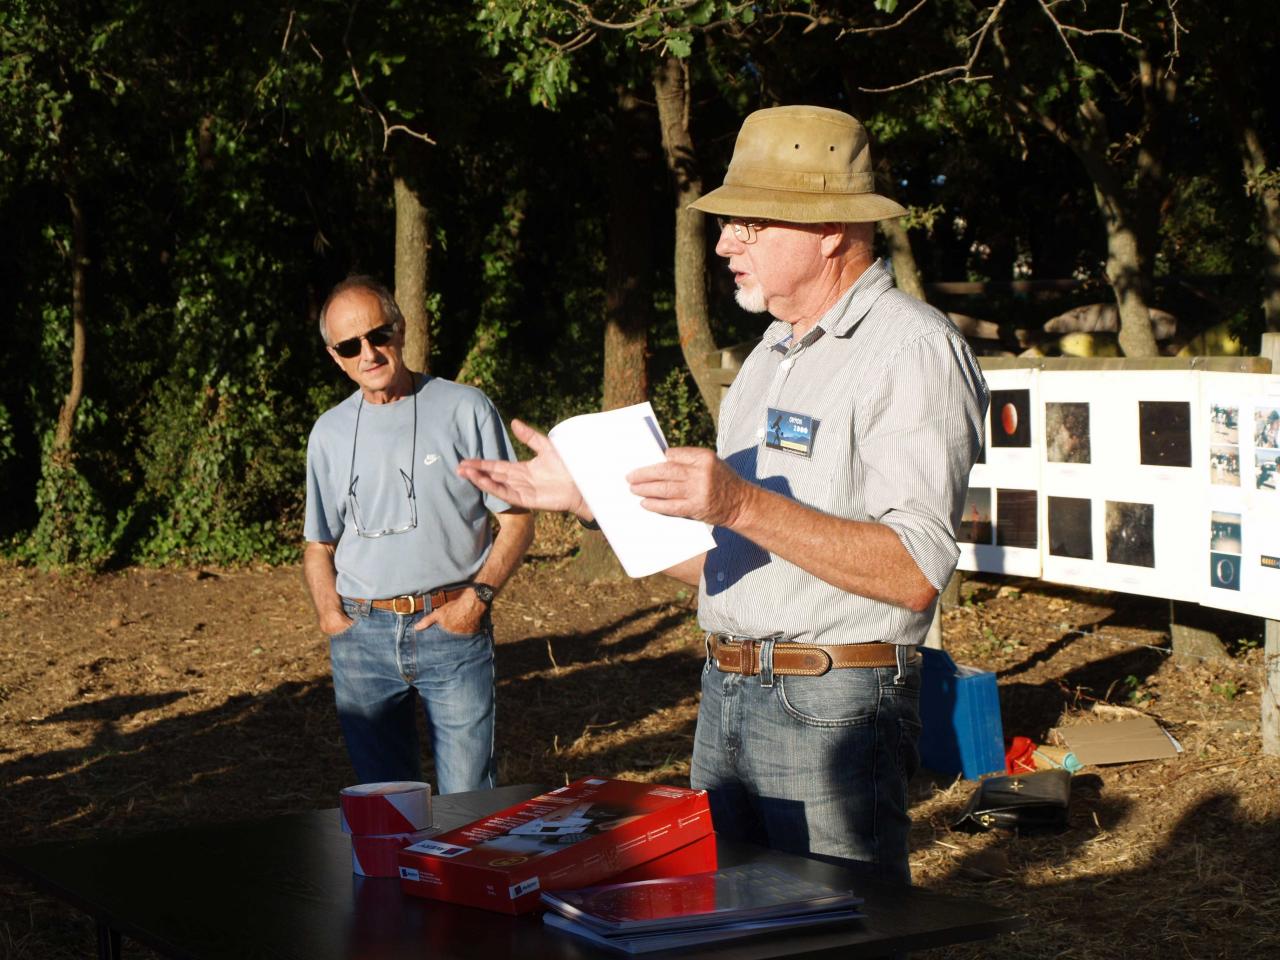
[79,269]
[906,272]
[1128,265]
[671,86]
[628,291]
[628,297]
[413,249]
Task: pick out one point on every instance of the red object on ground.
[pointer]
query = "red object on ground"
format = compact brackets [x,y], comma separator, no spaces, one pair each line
[1019,755]
[575,836]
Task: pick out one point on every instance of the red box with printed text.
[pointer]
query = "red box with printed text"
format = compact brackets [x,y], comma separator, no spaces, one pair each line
[574,836]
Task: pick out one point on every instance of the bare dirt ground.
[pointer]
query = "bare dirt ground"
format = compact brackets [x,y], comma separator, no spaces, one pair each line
[145,699]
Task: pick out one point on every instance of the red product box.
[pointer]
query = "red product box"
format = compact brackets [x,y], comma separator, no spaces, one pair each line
[574,836]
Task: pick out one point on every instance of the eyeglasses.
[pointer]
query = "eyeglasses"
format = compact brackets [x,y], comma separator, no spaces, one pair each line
[377,337]
[745,231]
[407,478]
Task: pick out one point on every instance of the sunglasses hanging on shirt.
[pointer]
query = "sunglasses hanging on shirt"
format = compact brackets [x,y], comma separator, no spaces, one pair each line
[377,337]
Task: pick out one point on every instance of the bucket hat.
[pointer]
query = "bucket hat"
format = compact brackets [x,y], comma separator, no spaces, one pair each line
[803,165]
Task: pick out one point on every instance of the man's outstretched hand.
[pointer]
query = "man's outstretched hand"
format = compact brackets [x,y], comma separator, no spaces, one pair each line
[542,483]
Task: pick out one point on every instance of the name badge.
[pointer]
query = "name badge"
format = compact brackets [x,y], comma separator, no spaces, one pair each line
[792,432]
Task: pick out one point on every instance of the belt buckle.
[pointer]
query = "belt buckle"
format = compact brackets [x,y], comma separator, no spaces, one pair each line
[746,655]
[395,605]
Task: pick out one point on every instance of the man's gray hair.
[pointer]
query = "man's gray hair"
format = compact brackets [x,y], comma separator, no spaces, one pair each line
[386,300]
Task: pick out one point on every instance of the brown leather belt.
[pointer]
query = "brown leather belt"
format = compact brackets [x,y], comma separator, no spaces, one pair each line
[407,605]
[742,655]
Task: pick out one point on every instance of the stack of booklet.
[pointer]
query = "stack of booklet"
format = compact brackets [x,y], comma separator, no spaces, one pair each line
[701,908]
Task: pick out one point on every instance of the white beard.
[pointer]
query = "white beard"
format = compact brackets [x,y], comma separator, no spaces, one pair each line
[750,299]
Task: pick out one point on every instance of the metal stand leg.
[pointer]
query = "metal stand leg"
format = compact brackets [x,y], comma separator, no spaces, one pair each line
[108,942]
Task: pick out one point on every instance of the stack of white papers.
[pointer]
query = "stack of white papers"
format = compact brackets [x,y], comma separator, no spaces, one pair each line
[599,450]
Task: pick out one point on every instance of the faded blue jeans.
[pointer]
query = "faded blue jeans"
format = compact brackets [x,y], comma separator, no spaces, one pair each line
[381,665]
[813,765]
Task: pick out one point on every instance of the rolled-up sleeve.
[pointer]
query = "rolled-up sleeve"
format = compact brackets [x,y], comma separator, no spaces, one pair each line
[921,428]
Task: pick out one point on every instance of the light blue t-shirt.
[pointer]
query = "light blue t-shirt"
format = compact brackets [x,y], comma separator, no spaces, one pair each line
[452,536]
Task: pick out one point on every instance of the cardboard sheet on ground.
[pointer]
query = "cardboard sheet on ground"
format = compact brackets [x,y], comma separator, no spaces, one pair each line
[1119,741]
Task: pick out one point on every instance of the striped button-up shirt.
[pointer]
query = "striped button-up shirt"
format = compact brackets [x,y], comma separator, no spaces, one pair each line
[888,403]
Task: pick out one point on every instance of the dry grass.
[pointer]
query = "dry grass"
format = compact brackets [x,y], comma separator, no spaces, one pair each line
[146,699]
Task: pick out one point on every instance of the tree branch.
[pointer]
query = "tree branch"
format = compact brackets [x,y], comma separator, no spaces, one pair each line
[965,69]
[369,105]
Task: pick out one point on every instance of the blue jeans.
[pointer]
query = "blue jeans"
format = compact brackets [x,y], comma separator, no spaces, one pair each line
[813,765]
[379,663]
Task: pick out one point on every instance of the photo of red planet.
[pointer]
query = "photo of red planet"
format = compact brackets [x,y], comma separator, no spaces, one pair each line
[1010,418]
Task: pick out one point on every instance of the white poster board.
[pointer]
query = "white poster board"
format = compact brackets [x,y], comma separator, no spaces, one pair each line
[1237,556]
[1122,478]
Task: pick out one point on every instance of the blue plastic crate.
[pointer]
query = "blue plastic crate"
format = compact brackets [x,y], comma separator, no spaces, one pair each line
[960,713]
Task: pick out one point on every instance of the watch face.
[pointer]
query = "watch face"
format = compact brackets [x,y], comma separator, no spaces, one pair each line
[483,591]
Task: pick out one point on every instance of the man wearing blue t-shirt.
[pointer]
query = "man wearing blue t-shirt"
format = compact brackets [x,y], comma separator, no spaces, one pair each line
[400,557]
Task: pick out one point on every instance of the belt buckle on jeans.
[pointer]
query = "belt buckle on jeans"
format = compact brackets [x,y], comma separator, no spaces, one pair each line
[410,601]
[746,656]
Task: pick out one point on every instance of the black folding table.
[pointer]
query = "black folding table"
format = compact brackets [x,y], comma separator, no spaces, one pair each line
[282,888]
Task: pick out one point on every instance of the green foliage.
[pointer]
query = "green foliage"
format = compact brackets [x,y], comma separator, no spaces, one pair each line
[1227,690]
[234,161]
[684,417]
[74,528]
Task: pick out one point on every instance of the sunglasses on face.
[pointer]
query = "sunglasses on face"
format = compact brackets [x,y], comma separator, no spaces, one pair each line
[377,337]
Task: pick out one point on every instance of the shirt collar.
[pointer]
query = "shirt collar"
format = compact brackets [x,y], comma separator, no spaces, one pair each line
[844,314]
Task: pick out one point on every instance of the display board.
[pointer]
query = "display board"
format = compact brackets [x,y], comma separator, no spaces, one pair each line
[1239,544]
[999,528]
[1159,482]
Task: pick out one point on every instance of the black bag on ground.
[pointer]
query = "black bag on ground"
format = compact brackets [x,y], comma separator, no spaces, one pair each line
[1027,801]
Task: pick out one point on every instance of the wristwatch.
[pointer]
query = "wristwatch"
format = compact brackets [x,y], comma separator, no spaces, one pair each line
[484,593]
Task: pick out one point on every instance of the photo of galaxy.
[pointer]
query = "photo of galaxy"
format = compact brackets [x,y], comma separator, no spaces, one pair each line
[1016,518]
[1066,432]
[1130,533]
[1010,418]
[1164,433]
[1071,527]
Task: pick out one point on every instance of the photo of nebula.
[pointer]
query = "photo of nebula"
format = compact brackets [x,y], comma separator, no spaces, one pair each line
[1066,432]
[1016,518]
[1224,571]
[1131,533]
[1164,433]
[1224,532]
[1010,418]
[975,521]
[1071,527]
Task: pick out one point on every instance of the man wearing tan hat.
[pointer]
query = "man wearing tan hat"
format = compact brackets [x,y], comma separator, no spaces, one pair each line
[841,467]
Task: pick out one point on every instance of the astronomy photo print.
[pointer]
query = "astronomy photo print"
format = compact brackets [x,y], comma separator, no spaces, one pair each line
[1016,519]
[1130,533]
[1066,432]
[975,522]
[1071,527]
[1164,433]
[1010,418]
